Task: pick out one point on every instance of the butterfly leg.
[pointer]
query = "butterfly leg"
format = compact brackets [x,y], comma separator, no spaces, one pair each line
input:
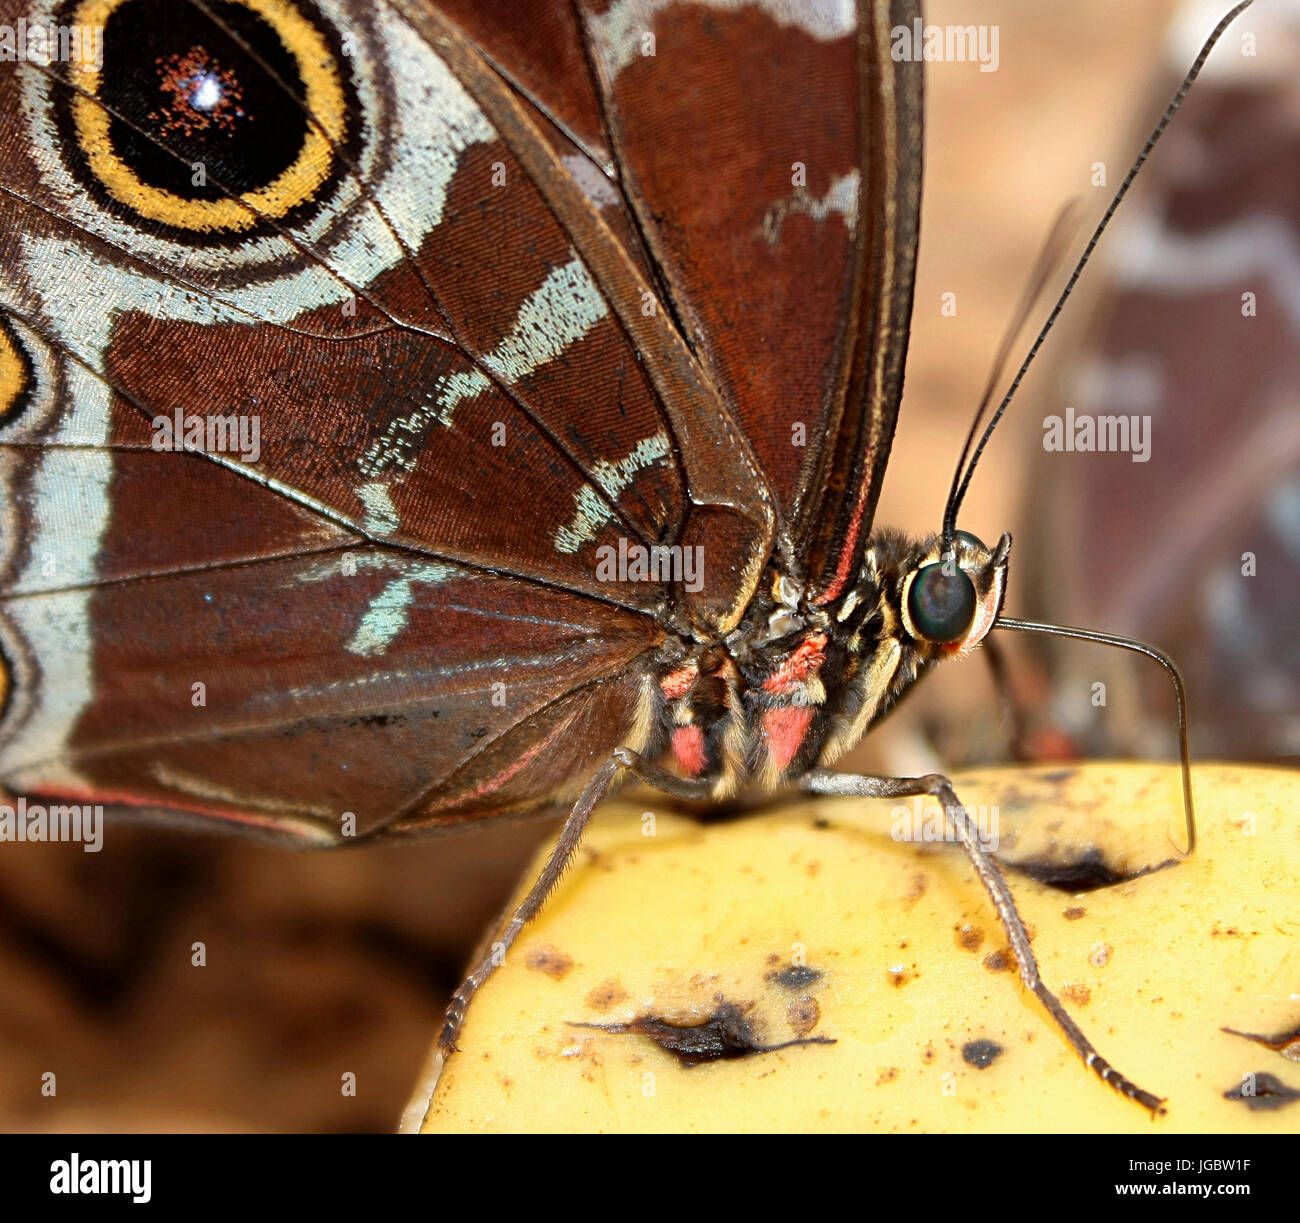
[821,781]
[566,845]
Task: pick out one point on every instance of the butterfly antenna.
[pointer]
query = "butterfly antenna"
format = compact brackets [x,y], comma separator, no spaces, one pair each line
[955,500]
[1048,260]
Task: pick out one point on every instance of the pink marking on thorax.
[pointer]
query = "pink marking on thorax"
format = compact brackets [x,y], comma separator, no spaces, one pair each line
[785,730]
[799,665]
[688,750]
[676,684]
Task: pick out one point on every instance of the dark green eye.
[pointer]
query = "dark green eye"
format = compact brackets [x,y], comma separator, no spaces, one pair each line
[941,605]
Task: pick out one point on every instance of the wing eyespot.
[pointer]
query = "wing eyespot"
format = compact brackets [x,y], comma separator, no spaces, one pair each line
[173,122]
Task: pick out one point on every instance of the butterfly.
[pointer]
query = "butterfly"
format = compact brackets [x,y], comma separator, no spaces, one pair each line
[414,414]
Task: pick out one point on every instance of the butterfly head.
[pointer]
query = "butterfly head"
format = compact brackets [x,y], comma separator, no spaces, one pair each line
[951,595]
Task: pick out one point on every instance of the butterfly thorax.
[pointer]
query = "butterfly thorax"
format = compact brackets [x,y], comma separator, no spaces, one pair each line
[796,684]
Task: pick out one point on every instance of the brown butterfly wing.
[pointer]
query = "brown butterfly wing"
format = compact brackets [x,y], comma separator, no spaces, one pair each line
[771,156]
[768,164]
[393,609]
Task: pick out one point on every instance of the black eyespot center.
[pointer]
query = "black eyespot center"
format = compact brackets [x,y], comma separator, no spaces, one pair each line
[941,602]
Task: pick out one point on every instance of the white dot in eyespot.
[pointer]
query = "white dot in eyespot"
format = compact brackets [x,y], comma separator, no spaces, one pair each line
[206,92]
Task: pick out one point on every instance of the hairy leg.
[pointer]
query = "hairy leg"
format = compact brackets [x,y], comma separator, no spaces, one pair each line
[821,781]
[566,845]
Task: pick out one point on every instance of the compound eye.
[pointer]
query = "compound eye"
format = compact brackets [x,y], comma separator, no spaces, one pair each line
[941,605]
[973,540]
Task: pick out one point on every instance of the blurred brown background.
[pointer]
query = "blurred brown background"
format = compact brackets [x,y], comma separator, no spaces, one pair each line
[318,965]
